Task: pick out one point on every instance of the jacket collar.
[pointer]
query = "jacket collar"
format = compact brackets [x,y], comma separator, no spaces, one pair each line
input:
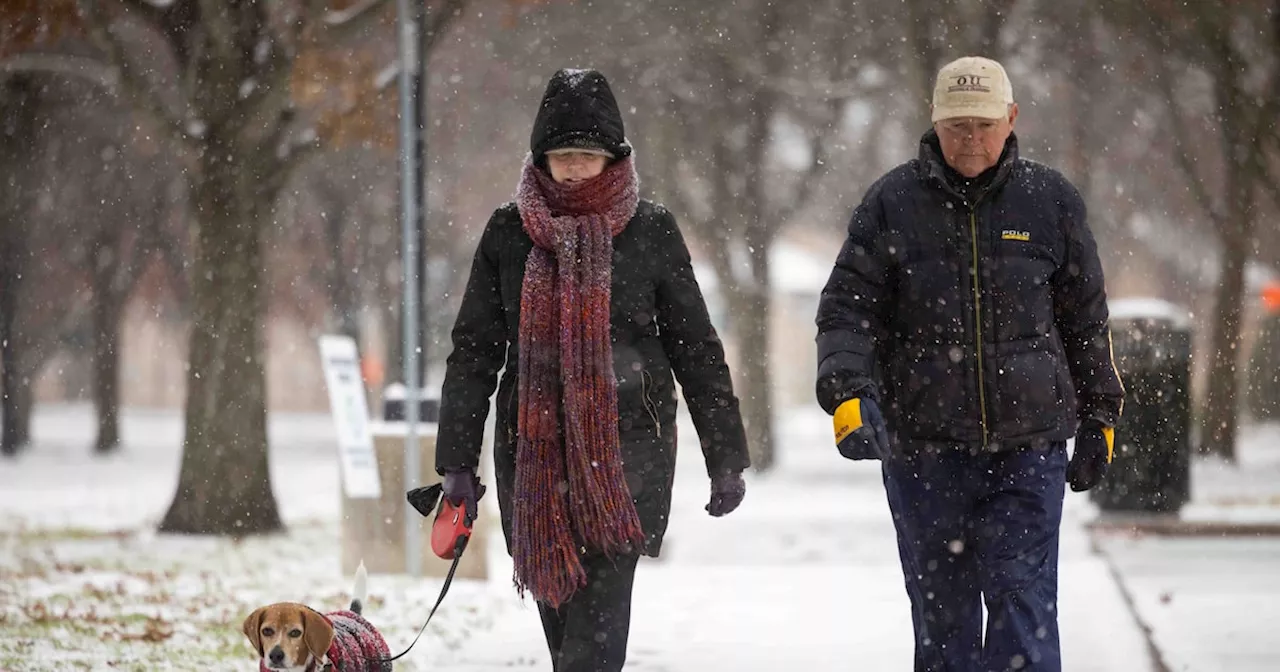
[933,167]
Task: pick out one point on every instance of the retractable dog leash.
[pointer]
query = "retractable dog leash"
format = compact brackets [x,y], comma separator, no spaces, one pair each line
[450,533]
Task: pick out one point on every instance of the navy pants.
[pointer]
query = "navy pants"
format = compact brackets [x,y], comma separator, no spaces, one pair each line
[977,527]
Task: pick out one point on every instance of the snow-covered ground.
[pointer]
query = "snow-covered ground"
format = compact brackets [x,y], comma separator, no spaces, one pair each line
[1212,602]
[803,576]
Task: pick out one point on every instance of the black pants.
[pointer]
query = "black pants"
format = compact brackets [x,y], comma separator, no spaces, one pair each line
[588,633]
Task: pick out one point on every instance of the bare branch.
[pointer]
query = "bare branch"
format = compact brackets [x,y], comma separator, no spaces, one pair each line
[1269,179]
[149,13]
[342,26]
[816,170]
[437,24]
[312,13]
[63,65]
[216,20]
[271,96]
[1199,190]
[133,84]
[294,152]
[386,76]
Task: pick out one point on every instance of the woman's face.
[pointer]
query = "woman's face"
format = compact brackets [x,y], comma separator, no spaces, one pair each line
[575,166]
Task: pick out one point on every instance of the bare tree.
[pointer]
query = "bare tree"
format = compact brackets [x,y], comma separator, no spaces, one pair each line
[121,248]
[1207,69]
[758,69]
[17,124]
[331,251]
[230,115]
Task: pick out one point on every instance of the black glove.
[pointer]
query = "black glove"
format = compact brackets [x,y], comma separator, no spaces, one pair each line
[463,488]
[727,491]
[1092,455]
[860,432]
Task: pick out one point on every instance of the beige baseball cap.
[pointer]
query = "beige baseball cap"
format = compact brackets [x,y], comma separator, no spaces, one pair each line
[972,87]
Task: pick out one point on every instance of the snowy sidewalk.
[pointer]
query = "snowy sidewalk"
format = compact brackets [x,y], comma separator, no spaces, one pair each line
[803,576]
[1208,590]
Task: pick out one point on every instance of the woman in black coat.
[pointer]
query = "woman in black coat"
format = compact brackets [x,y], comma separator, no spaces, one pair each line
[583,296]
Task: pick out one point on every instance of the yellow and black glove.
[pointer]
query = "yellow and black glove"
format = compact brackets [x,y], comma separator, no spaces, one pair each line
[1092,455]
[859,429]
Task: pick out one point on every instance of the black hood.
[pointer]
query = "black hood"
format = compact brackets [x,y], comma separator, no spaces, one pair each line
[578,110]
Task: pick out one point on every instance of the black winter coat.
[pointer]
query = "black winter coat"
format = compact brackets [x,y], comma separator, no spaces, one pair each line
[659,326]
[979,323]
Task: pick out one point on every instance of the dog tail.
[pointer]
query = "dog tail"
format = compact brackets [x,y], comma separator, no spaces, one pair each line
[359,590]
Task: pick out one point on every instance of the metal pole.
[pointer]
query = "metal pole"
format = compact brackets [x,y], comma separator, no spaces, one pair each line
[420,191]
[409,286]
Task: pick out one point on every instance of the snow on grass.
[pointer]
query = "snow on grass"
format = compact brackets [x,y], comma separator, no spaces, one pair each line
[87,584]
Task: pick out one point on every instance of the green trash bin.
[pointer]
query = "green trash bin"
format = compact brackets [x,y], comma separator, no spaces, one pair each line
[1150,471]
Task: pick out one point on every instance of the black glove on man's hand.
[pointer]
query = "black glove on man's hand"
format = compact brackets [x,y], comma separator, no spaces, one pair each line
[1092,455]
[860,432]
[727,491]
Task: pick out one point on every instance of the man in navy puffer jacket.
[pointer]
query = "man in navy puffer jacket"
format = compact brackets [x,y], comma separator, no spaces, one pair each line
[962,339]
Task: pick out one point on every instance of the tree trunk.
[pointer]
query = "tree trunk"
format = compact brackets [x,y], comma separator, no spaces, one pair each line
[18,108]
[21,404]
[15,402]
[225,485]
[927,57]
[107,309]
[10,438]
[343,299]
[1236,235]
[752,329]
[1221,404]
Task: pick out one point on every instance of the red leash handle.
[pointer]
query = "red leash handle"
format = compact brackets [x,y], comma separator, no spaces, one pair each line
[451,529]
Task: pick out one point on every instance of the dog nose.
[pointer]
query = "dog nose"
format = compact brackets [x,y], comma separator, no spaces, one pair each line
[276,656]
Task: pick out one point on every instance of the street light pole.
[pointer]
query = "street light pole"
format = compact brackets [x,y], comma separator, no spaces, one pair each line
[410,61]
[420,189]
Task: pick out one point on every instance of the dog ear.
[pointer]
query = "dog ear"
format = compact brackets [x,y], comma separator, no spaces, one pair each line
[317,633]
[252,629]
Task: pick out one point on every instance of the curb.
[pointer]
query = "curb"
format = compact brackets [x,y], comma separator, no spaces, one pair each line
[1158,663]
[1172,526]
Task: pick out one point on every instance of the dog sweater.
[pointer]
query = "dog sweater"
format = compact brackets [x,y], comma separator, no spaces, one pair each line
[357,646]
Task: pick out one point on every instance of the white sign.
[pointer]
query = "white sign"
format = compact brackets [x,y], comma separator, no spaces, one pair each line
[341,363]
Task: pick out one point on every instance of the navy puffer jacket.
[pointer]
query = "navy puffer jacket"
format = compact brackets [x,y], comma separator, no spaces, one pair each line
[977,322]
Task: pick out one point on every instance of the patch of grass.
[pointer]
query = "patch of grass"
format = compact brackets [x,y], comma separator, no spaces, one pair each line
[45,535]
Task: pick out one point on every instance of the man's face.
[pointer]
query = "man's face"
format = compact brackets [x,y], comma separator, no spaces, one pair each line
[575,166]
[971,145]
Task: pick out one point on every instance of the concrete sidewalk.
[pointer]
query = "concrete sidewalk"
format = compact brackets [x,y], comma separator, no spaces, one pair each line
[805,576]
[1209,604]
[1205,584]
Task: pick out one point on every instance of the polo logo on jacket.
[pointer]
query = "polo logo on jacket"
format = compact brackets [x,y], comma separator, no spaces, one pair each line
[1010,234]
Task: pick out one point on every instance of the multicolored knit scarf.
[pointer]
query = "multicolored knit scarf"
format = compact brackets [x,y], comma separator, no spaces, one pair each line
[570,490]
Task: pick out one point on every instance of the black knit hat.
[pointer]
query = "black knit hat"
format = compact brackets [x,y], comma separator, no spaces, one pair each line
[578,110]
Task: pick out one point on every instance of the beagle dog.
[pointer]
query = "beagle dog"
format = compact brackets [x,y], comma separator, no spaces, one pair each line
[292,637]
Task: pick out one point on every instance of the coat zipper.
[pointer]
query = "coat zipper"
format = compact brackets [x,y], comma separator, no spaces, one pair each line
[977,315]
[649,406]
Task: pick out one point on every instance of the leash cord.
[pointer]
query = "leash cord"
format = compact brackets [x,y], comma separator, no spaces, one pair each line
[448,579]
